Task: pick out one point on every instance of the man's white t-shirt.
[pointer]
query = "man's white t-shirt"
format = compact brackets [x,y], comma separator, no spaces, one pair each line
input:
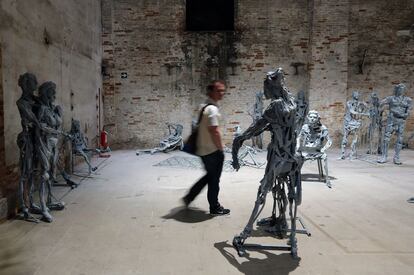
[211,116]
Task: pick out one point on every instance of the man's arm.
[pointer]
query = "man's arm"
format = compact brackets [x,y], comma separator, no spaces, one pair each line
[216,136]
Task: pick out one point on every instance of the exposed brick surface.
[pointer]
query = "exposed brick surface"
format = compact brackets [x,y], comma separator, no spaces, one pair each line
[168,67]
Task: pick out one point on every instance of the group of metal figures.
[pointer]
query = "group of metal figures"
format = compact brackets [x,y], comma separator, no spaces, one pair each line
[298,135]
[398,107]
[41,121]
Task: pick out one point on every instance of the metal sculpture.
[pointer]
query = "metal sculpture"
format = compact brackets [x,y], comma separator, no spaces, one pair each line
[173,141]
[79,145]
[256,114]
[50,119]
[399,107]
[375,123]
[302,107]
[313,141]
[25,140]
[354,111]
[283,166]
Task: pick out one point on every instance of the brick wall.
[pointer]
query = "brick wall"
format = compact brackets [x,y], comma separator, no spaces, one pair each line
[167,68]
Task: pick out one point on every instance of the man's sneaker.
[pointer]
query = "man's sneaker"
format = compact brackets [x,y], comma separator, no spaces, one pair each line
[219,211]
[186,201]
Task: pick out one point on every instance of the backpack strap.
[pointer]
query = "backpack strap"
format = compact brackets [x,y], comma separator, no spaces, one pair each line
[201,113]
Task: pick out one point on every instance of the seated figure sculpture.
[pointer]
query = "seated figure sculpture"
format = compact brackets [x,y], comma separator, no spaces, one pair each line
[312,142]
[352,123]
[399,107]
[282,174]
[173,141]
[79,146]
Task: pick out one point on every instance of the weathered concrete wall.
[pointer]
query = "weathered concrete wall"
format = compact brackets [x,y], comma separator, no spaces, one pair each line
[57,40]
[71,58]
[167,68]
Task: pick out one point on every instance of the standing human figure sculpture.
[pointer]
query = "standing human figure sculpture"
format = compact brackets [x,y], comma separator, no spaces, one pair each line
[256,114]
[375,123]
[399,107]
[25,140]
[352,123]
[313,141]
[46,144]
[283,165]
[302,107]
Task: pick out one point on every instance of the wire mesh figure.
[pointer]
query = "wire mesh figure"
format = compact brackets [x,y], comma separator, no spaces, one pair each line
[173,141]
[375,124]
[352,123]
[313,141]
[302,107]
[79,145]
[256,114]
[283,166]
[50,118]
[399,107]
[25,141]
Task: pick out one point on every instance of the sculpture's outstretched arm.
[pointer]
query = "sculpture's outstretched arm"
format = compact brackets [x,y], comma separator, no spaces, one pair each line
[255,129]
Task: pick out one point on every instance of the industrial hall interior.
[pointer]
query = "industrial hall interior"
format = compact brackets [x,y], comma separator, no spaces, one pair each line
[206,137]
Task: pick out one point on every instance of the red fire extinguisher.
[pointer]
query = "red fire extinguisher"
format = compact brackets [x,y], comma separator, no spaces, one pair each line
[104,140]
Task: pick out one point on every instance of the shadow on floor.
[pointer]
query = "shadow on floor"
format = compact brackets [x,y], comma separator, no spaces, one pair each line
[188,215]
[281,264]
[10,256]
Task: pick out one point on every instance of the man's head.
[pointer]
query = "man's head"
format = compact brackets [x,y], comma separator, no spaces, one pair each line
[399,89]
[28,83]
[313,117]
[47,92]
[355,95]
[216,89]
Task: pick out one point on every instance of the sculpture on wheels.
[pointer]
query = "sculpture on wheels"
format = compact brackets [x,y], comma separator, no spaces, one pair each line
[79,145]
[301,110]
[25,141]
[375,116]
[173,141]
[313,141]
[399,107]
[256,114]
[50,119]
[282,174]
[354,111]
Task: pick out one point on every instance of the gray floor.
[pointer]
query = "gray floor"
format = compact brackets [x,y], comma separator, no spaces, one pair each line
[127,219]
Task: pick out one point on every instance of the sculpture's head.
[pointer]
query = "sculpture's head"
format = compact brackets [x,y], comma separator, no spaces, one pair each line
[399,89]
[313,117]
[274,84]
[28,83]
[355,95]
[47,92]
[301,96]
[374,97]
[75,127]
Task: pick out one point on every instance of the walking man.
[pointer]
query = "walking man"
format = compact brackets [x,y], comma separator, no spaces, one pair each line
[210,149]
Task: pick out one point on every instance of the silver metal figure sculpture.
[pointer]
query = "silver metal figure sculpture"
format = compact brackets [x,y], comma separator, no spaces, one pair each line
[50,119]
[256,114]
[302,107]
[79,145]
[375,124]
[399,107]
[313,141]
[283,166]
[354,111]
[173,141]
[25,140]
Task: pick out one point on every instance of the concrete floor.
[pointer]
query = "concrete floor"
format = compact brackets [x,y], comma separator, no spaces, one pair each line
[127,219]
